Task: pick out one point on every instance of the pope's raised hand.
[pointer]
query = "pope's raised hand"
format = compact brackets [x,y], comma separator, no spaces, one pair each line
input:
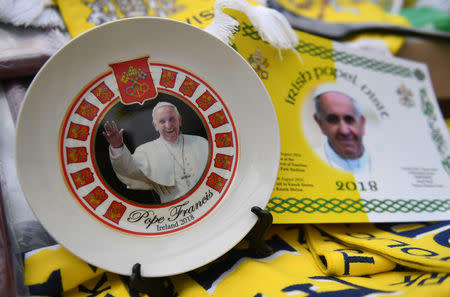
[113,135]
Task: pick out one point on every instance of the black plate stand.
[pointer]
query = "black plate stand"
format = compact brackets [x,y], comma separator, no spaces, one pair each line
[163,287]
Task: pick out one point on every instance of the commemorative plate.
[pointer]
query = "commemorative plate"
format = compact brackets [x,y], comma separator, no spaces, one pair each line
[147,141]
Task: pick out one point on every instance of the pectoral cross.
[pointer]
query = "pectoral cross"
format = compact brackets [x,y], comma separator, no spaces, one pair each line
[186,176]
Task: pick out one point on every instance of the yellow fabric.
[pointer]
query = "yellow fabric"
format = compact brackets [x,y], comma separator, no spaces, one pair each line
[335,258]
[420,246]
[290,271]
[39,267]
[200,13]
[108,284]
[348,11]
[79,15]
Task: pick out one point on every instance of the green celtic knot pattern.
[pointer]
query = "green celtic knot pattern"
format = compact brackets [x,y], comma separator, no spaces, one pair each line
[354,60]
[307,205]
[334,55]
[249,31]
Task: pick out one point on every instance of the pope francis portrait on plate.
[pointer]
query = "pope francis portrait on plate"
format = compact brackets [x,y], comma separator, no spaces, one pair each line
[171,165]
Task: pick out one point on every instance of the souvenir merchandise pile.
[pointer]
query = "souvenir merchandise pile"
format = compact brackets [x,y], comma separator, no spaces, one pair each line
[410,259]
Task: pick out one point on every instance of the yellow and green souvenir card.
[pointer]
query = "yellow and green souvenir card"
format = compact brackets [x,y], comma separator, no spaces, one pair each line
[362,136]
[363,139]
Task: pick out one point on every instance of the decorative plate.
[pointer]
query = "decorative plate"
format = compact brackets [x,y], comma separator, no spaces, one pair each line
[147,141]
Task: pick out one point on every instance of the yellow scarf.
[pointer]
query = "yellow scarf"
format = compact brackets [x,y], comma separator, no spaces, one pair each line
[292,268]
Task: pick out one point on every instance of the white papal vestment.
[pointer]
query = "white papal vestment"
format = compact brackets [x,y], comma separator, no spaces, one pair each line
[169,168]
[362,165]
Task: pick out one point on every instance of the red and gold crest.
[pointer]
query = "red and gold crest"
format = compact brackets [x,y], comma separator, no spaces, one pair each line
[87,110]
[216,182]
[224,139]
[103,93]
[82,177]
[96,197]
[188,86]
[218,119]
[76,154]
[168,78]
[205,100]
[134,80]
[115,211]
[77,131]
[223,161]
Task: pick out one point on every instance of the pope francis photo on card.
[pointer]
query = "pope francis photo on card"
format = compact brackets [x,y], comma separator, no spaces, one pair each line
[339,117]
